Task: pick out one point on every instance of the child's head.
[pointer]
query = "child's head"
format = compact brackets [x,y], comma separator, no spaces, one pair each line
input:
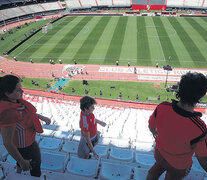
[87,104]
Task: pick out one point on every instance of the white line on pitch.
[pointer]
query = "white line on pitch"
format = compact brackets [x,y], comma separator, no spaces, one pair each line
[78,34]
[36,40]
[159,41]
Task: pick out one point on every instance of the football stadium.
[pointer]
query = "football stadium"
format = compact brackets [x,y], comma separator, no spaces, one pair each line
[129,55]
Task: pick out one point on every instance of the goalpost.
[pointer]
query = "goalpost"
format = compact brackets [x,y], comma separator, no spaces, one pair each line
[46,28]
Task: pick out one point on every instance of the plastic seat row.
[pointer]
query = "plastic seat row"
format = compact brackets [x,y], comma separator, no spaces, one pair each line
[110,168]
[54,162]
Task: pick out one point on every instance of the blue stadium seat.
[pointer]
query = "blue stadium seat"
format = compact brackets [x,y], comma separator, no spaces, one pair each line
[2,2]
[2,172]
[51,126]
[83,167]
[195,175]
[115,171]
[196,166]
[15,1]
[10,160]
[47,133]
[145,160]
[120,154]
[38,138]
[54,161]
[102,151]
[50,143]
[1,140]
[3,153]
[63,135]
[70,147]
[141,173]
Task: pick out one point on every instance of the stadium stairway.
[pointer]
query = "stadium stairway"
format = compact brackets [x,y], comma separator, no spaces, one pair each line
[121,156]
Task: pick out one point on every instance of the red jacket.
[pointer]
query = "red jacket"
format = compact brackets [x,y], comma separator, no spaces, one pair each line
[180,134]
[23,116]
[88,123]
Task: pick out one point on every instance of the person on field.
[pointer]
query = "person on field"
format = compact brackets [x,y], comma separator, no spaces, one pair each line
[88,125]
[117,62]
[179,132]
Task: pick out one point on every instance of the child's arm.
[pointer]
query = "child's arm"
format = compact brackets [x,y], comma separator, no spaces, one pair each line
[101,123]
[90,145]
[45,119]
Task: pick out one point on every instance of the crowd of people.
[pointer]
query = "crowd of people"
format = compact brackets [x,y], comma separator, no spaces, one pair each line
[178,130]
[35,83]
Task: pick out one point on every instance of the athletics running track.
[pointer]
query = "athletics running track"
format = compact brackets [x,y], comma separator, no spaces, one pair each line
[94,72]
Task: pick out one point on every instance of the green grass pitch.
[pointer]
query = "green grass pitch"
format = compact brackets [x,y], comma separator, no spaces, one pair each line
[144,41]
[128,89]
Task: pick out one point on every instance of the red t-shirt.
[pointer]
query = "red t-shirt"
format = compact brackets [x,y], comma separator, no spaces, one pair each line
[88,123]
[23,116]
[180,134]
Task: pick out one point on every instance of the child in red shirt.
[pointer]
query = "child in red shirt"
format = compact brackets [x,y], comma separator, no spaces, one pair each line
[88,125]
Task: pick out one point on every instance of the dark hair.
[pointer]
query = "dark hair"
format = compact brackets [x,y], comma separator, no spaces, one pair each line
[86,102]
[192,88]
[7,84]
